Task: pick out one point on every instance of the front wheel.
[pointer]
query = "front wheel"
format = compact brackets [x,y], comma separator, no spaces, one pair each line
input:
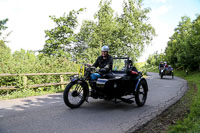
[141,93]
[161,76]
[74,95]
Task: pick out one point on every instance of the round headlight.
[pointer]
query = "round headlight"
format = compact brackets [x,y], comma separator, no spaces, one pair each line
[115,85]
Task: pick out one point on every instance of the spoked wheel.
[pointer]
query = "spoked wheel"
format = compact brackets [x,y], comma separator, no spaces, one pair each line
[141,93]
[74,95]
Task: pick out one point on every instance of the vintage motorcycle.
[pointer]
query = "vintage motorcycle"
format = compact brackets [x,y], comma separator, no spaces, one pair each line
[120,85]
[164,71]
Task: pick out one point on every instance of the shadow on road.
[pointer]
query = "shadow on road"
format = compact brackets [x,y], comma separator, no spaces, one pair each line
[56,100]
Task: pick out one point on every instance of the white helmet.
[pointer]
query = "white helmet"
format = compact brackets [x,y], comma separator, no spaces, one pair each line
[105,48]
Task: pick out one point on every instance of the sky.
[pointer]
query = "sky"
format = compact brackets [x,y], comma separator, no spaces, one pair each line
[28,19]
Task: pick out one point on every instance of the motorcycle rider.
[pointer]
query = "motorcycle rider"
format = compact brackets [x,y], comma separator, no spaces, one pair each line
[161,66]
[165,66]
[132,70]
[104,62]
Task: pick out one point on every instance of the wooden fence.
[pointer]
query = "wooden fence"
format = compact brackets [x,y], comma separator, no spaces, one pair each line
[25,80]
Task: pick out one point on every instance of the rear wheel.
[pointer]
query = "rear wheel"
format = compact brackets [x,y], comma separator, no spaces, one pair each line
[172,75]
[74,95]
[141,93]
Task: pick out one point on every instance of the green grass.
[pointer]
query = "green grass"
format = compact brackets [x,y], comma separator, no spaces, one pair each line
[191,123]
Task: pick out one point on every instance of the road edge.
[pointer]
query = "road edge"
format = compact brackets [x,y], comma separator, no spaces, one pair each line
[143,120]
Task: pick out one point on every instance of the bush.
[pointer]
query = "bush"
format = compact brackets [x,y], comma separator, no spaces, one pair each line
[27,62]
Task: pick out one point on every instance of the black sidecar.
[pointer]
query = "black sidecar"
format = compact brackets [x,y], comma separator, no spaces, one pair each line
[122,84]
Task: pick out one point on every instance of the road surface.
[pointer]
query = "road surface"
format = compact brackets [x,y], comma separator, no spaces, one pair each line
[48,114]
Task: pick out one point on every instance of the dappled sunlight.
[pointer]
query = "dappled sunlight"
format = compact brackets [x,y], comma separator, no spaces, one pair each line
[22,104]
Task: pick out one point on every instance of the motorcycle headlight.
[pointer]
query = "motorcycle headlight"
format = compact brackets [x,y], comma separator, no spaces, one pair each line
[115,85]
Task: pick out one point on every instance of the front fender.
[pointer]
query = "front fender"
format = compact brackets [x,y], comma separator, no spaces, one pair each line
[138,82]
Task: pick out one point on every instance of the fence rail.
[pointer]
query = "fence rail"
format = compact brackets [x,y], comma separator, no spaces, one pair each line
[36,74]
[25,79]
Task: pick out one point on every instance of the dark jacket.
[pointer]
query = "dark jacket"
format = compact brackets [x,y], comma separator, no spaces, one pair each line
[105,65]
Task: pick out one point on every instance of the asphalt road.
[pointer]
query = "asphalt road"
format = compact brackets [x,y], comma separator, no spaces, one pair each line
[48,114]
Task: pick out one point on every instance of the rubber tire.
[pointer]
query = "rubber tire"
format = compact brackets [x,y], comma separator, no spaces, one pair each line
[145,87]
[172,75]
[65,96]
[161,76]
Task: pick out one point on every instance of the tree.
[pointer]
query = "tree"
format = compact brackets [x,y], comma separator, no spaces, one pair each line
[195,43]
[156,58]
[126,35]
[2,25]
[60,39]
[183,47]
[5,52]
[177,50]
[94,34]
[135,31]
[5,55]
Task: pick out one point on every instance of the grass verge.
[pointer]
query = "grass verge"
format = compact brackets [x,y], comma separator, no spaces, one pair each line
[183,116]
[191,122]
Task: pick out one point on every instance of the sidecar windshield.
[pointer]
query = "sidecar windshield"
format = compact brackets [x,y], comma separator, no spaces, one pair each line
[120,64]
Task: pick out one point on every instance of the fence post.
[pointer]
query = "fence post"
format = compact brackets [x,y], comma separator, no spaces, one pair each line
[25,82]
[62,80]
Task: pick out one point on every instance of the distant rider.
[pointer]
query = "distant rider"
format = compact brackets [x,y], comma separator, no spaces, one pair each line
[166,66]
[161,66]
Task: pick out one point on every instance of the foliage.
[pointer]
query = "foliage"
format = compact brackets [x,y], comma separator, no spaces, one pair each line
[134,30]
[183,49]
[27,62]
[2,25]
[125,34]
[5,54]
[60,38]
[156,58]
[144,67]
